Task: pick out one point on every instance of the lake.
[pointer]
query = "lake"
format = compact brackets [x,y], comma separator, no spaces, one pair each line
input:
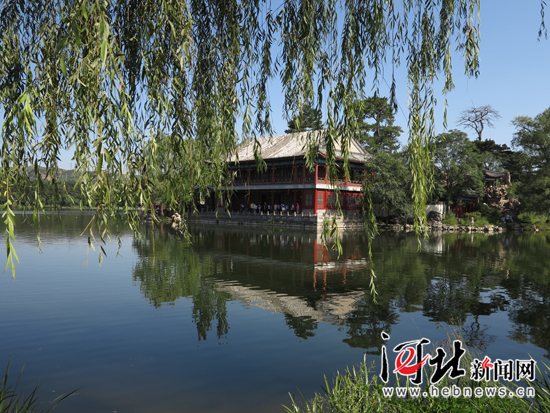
[243,316]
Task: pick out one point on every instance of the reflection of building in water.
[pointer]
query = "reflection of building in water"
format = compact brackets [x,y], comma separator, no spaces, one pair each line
[302,277]
[288,273]
[435,245]
[334,307]
[299,250]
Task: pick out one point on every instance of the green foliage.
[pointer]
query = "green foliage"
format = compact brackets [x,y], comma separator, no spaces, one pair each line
[457,164]
[358,390]
[542,388]
[391,189]
[66,194]
[492,215]
[540,221]
[486,210]
[476,215]
[481,218]
[450,219]
[382,134]
[103,78]
[532,217]
[308,119]
[533,138]
[494,157]
[534,192]
[479,221]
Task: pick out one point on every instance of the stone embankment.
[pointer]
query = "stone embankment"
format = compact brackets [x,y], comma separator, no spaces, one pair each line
[439,227]
[463,228]
[490,229]
[434,223]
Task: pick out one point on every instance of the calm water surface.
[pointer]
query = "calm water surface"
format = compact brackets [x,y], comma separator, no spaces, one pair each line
[244,316]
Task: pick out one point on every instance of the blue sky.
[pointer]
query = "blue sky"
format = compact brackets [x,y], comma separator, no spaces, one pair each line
[515,68]
[514,77]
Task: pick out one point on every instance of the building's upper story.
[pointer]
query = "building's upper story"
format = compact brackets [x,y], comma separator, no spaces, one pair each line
[285,156]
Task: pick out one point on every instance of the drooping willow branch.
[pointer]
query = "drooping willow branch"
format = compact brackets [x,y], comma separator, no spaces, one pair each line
[146,90]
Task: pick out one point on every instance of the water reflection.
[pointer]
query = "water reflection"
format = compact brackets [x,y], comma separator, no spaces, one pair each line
[484,275]
[458,279]
[287,273]
[168,269]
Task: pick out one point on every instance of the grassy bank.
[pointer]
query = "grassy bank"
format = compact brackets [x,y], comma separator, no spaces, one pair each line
[359,390]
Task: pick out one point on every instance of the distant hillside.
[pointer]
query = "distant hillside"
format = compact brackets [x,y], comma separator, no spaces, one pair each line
[68,175]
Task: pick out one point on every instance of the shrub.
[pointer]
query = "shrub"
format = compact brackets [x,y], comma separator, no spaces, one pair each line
[539,220]
[531,217]
[476,215]
[487,211]
[479,221]
[450,219]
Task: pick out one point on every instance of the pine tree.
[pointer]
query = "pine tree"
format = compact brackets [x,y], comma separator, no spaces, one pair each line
[308,120]
[381,135]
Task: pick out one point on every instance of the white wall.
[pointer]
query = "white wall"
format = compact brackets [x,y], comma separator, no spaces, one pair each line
[440,207]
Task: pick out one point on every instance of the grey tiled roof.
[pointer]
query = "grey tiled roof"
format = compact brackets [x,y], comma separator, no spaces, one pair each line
[494,174]
[294,145]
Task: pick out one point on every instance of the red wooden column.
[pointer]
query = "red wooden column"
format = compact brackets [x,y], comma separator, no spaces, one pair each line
[315,197]
[248,185]
[273,192]
[304,173]
[316,172]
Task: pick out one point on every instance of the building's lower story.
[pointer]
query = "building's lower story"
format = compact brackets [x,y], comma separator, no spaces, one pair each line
[307,200]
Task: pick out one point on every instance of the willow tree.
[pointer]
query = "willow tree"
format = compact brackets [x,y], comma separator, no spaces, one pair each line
[104,78]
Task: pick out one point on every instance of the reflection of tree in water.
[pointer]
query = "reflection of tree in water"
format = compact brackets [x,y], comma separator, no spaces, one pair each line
[531,315]
[476,335]
[169,269]
[478,276]
[528,287]
[367,322]
[303,326]
[458,280]
[469,268]
[448,300]
[400,284]
[208,304]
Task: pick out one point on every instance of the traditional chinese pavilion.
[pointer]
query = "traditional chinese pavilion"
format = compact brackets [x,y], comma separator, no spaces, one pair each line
[288,181]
